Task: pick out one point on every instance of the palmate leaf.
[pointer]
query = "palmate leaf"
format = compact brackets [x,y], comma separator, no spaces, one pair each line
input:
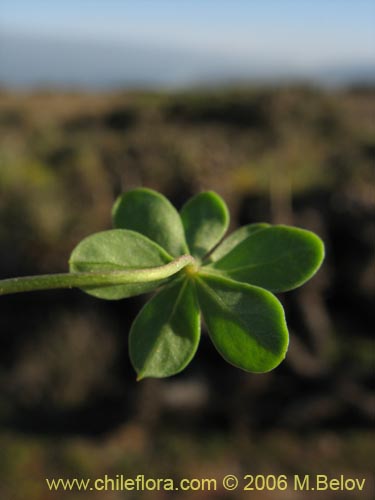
[165,335]
[231,283]
[116,250]
[235,238]
[278,258]
[205,218]
[246,323]
[151,214]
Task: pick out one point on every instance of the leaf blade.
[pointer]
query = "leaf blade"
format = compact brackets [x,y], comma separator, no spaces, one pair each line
[278,258]
[205,218]
[151,214]
[235,238]
[165,335]
[246,323]
[117,249]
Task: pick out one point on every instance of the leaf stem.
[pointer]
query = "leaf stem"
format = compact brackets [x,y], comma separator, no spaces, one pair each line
[93,279]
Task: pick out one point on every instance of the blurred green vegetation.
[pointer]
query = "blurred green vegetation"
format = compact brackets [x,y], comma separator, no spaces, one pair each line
[69,404]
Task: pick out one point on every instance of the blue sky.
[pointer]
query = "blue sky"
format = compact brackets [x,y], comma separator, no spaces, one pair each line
[313,30]
[182,41]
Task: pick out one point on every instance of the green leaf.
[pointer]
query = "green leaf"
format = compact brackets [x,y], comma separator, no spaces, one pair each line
[116,250]
[205,218]
[151,214]
[278,258]
[165,335]
[246,323]
[235,238]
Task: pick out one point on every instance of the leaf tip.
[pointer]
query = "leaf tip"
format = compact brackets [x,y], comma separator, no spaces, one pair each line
[140,377]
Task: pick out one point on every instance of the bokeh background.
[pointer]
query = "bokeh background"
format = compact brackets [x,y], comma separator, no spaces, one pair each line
[272,105]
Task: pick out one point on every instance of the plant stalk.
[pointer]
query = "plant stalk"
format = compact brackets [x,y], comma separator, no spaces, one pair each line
[93,279]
